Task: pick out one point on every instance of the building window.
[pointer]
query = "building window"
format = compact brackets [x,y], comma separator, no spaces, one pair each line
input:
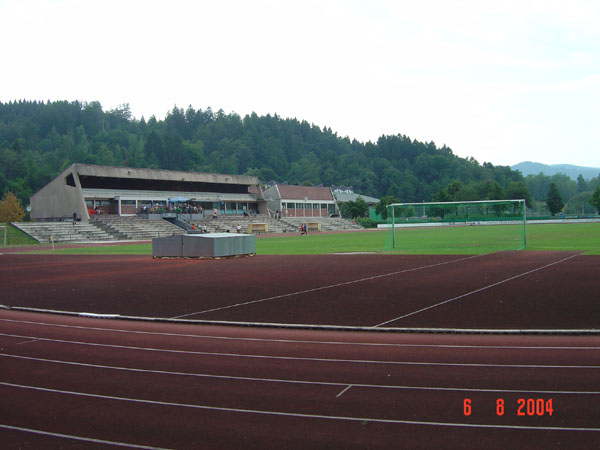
[70,180]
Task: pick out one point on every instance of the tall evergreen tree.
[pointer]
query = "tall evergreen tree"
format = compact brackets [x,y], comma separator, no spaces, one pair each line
[554,200]
[595,200]
[581,184]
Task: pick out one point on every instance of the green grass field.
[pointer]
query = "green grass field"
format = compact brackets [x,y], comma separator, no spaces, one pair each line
[583,237]
[14,236]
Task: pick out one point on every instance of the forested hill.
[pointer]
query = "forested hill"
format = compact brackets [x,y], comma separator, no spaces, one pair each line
[40,139]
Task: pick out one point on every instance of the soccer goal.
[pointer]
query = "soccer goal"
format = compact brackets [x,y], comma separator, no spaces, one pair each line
[455,227]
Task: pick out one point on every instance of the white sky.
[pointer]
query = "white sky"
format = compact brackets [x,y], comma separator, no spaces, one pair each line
[501,81]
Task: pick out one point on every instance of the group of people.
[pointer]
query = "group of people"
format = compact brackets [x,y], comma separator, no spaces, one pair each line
[196,229]
[185,208]
[238,229]
[203,229]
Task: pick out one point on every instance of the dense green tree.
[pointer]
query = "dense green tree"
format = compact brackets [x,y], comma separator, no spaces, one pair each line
[490,190]
[538,185]
[554,200]
[580,204]
[39,139]
[92,118]
[153,148]
[449,193]
[355,209]
[381,207]
[454,188]
[442,196]
[595,199]
[468,193]
[517,190]
[581,184]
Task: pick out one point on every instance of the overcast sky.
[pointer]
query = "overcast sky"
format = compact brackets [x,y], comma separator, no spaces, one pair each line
[501,81]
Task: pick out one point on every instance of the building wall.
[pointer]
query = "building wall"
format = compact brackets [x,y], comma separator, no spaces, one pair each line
[299,206]
[66,195]
[306,209]
[59,200]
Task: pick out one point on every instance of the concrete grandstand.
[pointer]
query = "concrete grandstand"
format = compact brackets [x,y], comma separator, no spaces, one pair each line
[100,203]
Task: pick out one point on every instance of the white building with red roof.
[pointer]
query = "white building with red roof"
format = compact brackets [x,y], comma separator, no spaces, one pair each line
[301,201]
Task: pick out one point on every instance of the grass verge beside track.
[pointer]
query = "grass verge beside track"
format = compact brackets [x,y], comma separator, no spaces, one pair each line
[584,237]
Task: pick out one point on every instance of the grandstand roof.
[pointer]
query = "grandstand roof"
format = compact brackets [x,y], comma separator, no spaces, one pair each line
[288,192]
[159,174]
[345,197]
[66,195]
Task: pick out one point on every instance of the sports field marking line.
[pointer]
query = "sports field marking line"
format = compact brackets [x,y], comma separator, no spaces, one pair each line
[293,414]
[298,358]
[475,291]
[305,382]
[78,438]
[27,342]
[298,341]
[330,286]
[343,391]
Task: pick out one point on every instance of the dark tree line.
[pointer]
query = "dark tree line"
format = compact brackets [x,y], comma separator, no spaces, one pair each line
[40,139]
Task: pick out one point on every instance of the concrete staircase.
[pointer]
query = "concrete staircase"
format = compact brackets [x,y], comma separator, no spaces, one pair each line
[135,228]
[327,223]
[230,222]
[63,231]
[107,227]
[283,225]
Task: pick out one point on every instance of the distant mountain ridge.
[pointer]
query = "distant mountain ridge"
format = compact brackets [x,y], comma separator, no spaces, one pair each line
[533,168]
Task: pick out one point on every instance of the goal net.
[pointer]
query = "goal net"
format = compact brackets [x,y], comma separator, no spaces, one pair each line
[456,227]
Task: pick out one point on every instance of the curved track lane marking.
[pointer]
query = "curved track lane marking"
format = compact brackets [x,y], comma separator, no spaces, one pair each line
[475,291]
[296,415]
[306,382]
[78,438]
[298,358]
[299,341]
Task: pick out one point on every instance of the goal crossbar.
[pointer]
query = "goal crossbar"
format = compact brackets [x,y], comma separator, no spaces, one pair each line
[455,213]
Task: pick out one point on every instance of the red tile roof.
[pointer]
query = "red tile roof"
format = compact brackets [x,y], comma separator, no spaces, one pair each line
[288,192]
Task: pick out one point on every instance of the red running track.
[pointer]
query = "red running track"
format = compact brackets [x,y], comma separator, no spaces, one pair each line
[506,290]
[70,382]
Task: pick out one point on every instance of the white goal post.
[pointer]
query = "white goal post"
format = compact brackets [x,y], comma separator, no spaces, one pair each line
[431,214]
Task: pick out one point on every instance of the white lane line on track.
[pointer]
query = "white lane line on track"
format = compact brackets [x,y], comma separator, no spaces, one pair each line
[330,286]
[27,342]
[299,341]
[292,414]
[307,382]
[78,438]
[474,292]
[298,358]
[343,391]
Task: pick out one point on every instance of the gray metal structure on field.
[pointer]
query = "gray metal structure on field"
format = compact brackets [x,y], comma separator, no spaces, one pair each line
[211,245]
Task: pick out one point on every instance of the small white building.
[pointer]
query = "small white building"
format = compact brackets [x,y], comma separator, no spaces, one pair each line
[301,201]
